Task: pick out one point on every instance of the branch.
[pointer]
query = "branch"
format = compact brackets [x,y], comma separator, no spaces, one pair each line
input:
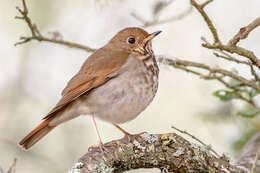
[11,168]
[249,156]
[224,72]
[232,59]
[196,139]
[36,35]
[231,48]
[238,50]
[157,14]
[214,74]
[244,32]
[200,8]
[168,152]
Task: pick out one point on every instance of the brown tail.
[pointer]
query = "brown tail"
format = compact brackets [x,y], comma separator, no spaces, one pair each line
[36,134]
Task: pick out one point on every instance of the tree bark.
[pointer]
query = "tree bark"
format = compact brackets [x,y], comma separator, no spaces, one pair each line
[168,152]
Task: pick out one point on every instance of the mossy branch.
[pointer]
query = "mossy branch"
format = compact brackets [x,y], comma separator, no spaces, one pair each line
[168,152]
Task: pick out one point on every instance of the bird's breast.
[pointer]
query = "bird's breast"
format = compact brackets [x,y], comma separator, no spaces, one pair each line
[124,97]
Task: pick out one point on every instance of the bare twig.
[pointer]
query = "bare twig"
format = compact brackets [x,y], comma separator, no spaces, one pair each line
[249,156]
[230,58]
[12,167]
[205,3]
[253,72]
[224,72]
[235,49]
[244,32]
[255,160]
[36,35]
[217,45]
[196,139]
[170,19]
[214,74]
[156,21]
[200,8]
[159,7]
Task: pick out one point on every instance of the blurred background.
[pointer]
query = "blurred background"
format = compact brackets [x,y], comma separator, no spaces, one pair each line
[33,75]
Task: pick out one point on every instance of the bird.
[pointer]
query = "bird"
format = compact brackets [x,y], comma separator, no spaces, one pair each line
[114,84]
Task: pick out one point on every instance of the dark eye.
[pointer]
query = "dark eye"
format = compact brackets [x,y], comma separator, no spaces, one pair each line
[131,40]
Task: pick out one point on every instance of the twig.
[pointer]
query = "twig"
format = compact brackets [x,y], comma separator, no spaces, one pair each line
[36,35]
[253,72]
[170,19]
[230,58]
[244,32]
[182,64]
[238,50]
[12,167]
[196,139]
[156,16]
[217,45]
[224,72]
[255,159]
[159,7]
[200,8]
[226,55]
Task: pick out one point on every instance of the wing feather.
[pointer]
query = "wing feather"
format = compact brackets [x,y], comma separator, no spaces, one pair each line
[100,67]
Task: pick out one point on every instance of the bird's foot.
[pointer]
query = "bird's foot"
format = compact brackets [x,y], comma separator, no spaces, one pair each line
[103,149]
[100,146]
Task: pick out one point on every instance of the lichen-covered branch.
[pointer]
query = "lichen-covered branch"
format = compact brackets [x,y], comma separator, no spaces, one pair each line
[36,35]
[168,152]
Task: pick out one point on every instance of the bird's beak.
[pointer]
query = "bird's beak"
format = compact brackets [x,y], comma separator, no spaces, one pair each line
[152,35]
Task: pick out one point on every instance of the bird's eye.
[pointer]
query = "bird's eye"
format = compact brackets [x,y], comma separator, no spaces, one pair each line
[131,40]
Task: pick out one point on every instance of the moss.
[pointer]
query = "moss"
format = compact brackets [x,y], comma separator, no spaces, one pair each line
[118,164]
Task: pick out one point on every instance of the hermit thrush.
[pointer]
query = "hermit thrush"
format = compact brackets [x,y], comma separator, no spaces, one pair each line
[115,84]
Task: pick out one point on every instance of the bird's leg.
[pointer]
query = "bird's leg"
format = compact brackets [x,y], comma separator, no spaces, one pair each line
[101,145]
[129,136]
[122,130]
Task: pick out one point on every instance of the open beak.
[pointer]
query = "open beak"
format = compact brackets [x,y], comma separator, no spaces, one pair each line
[152,35]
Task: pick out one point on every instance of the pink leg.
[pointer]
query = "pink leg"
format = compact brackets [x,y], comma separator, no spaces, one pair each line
[101,145]
[129,136]
[122,130]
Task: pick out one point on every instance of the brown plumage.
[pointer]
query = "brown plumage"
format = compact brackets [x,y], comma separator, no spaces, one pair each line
[105,69]
[36,134]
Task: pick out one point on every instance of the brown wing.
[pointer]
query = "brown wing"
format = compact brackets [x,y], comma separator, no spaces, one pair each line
[100,67]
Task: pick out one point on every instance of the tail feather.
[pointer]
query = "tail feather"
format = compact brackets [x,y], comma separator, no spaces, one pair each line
[35,135]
